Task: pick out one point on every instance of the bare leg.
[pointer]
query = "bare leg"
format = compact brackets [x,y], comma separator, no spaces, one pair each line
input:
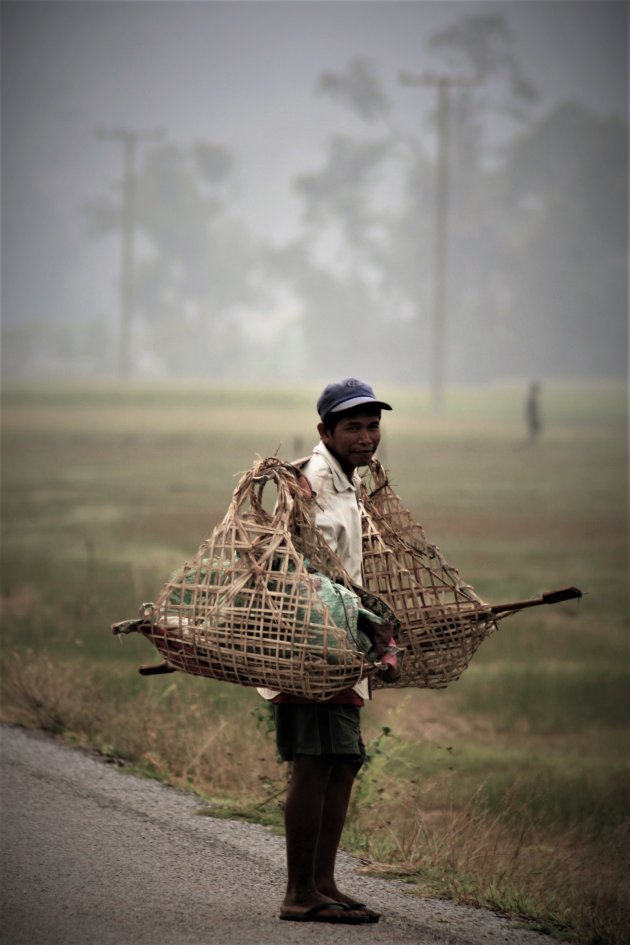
[334,813]
[303,826]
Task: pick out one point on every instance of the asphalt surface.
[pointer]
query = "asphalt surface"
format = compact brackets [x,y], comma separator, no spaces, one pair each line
[94,856]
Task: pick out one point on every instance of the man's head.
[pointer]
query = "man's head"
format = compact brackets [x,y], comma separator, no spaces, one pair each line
[350,422]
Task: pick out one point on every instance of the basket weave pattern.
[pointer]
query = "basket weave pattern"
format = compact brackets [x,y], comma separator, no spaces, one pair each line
[443,621]
[245,609]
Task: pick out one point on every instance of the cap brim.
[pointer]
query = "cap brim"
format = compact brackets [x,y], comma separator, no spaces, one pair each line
[357,401]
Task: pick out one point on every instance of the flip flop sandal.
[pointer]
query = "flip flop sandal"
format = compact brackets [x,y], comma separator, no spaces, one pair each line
[315,914]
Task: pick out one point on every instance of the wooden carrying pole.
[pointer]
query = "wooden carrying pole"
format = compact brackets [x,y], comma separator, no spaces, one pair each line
[548,597]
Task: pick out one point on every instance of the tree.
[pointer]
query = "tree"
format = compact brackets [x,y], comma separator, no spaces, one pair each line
[566,182]
[371,206]
[198,282]
[537,230]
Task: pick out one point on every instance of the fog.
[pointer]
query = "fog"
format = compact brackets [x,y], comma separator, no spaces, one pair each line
[293,210]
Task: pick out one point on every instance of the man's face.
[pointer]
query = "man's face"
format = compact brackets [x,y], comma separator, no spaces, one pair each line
[354,440]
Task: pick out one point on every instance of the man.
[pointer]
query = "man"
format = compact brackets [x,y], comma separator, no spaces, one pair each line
[532,412]
[323,740]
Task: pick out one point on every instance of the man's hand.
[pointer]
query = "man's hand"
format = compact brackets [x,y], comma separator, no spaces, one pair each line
[389,667]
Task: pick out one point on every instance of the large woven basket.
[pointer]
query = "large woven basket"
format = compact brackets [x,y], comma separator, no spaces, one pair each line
[443,621]
[259,602]
[248,607]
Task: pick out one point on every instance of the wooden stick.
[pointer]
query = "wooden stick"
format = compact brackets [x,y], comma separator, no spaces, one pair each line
[548,597]
[157,670]
[130,626]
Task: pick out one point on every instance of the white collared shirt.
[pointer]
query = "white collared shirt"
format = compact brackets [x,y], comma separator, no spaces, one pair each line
[337,502]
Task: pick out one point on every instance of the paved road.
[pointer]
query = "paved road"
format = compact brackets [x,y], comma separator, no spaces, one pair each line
[94,856]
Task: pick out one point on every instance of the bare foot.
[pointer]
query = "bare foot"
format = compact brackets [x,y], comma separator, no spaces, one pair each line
[354,904]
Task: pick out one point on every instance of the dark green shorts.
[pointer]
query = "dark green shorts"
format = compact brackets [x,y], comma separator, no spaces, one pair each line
[319,729]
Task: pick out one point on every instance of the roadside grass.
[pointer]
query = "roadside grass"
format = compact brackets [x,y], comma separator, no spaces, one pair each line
[505,823]
[509,789]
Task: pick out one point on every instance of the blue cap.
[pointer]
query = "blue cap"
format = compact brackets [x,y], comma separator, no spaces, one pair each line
[342,395]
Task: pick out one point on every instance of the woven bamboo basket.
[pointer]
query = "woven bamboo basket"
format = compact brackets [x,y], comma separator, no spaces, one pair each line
[443,621]
[248,607]
[259,602]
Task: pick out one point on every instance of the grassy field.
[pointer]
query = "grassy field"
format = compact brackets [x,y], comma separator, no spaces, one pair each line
[509,789]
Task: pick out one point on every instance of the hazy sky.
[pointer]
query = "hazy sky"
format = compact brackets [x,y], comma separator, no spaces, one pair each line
[242,74]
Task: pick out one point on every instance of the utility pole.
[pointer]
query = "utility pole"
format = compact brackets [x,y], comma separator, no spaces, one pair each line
[129,140]
[443,85]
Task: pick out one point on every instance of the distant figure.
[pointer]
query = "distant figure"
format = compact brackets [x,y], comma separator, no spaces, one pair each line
[532,412]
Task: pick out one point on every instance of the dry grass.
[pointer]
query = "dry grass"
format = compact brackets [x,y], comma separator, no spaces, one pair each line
[567,883]
[509,788]
[167,732]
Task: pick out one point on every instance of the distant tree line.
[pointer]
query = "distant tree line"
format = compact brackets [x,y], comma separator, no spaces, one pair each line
[537,226]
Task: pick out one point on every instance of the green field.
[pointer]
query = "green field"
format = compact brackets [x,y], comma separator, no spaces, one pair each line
[509,789]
